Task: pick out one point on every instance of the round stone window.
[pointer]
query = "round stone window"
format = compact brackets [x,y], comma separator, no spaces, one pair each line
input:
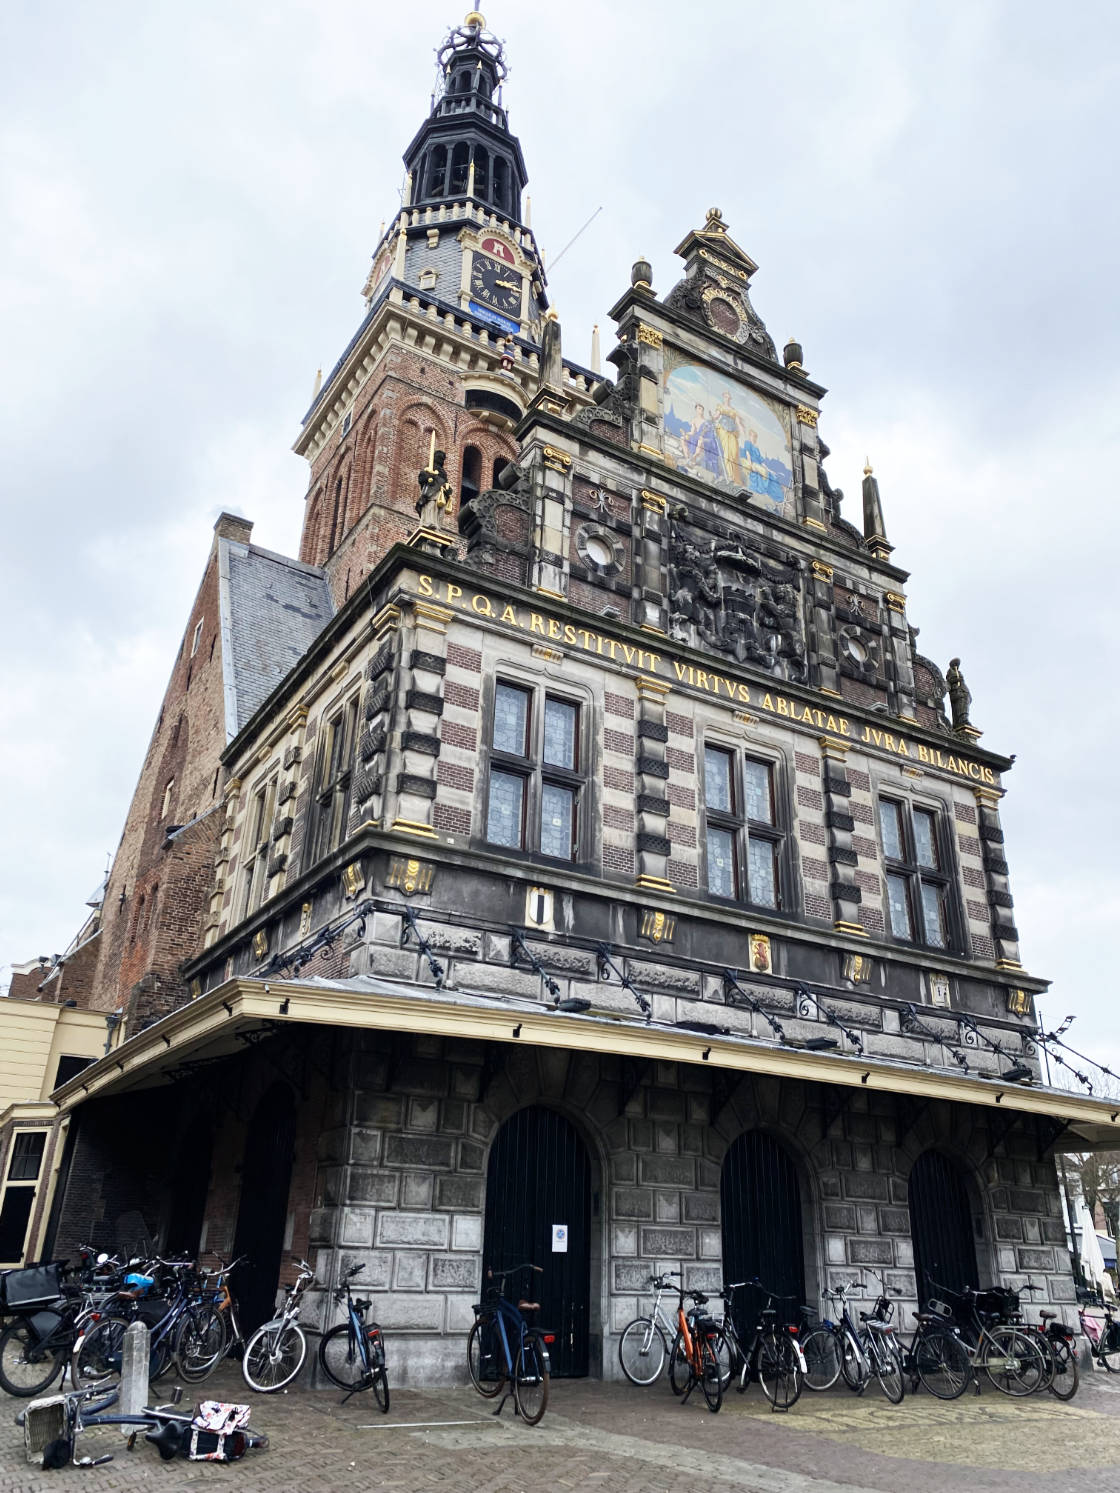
[598,551]
[857,650]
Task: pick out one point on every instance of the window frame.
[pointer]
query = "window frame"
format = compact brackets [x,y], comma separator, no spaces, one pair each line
[14,1156]
[261,815]
[334,779]
[743,829]
[915,875]
[536,774]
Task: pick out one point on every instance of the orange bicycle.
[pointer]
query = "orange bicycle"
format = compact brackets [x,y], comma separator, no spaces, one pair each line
[694,1358]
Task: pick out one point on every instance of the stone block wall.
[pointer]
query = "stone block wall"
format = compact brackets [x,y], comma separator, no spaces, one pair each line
[401,1184]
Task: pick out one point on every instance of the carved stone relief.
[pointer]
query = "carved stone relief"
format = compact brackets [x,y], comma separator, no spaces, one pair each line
[730,598]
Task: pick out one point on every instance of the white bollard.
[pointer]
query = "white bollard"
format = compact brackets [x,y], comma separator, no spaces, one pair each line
[134,1372]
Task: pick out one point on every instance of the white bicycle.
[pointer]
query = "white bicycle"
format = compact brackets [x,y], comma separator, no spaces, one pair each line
[275,1353]
[643,1348]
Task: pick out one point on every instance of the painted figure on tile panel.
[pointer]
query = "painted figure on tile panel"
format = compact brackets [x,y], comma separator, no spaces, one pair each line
[726,434]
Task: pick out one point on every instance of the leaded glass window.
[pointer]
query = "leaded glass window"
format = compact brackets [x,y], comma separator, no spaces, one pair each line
[721,862]
[535,785]
[511,719]
[917,887]
[561,719]
[505,820]
[743,834]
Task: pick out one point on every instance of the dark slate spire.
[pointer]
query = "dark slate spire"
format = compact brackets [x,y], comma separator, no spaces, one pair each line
[464,149]
[874,530]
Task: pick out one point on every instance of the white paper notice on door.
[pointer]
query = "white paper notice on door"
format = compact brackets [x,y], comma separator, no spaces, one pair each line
[559,1238]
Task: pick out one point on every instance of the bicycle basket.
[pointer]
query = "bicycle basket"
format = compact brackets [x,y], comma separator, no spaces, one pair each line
[35,1286]
[998,1301]
[44,1421]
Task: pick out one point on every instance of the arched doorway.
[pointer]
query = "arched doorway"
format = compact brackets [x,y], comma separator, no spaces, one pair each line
[941,1226]
[760,1203]
[539,1177]
[266,1174]
[191,1186]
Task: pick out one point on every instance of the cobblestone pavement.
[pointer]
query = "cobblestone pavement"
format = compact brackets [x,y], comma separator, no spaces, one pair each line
[626,1440]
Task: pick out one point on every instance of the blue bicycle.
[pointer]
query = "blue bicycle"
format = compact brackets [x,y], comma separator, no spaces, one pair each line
[505,1351]
[352,1355]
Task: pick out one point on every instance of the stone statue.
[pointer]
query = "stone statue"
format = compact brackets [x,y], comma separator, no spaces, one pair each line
[960,697]
[434,502]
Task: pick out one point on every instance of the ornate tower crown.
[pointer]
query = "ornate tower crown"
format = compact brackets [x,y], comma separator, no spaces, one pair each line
[464,150]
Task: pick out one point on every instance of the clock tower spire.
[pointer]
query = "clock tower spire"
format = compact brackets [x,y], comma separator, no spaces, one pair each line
[464,151]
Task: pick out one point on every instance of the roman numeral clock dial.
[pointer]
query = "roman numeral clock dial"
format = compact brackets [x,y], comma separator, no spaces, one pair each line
[496,285]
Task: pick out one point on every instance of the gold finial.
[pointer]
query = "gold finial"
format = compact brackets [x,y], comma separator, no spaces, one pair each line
[475,18]
[550,314]
[867,466]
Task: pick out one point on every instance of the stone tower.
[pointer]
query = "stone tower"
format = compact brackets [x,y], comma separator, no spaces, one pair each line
[446,357]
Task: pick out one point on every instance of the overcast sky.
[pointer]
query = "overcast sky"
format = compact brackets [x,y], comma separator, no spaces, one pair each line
[189,198]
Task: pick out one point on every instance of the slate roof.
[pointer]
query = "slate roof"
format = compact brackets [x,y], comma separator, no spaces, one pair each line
[272,610]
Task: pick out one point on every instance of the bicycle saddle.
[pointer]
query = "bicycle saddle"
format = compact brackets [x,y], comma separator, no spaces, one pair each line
[1048,1316]
[528,1306]
[925,1317]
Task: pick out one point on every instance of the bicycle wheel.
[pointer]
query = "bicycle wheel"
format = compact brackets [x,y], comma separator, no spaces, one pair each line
[779,1372]
[340,1357]
[1109,1353]
[1067,1375]
[98,1353]
[381,1389]
[1049,1364]
[273,1356]
[27,1364]
[484,1365]
[200,1343]
[886,1360]
[641,1351]
[711,1373]
[1012,1362]
[942,1363]
[822,1358]
[530,1382]
[726,1358]
[680,1372]
[852,1365]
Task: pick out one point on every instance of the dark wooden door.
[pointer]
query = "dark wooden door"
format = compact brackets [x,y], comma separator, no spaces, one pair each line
[539,1176]
[760,1200]
[940,1226]
[266,1176]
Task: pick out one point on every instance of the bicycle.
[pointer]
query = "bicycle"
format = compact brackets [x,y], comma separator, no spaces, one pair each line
[51,1429]
[880,1346]
[98,1351]
[643,1348]
[1055,1341]
[49,1315]
[352,1355]
[774,1355]
[1011,1360]
[503,1349]
[833,1348]
[695,1355]
[937,1359]
[1103,1337]
[275,1353]
[211,1333]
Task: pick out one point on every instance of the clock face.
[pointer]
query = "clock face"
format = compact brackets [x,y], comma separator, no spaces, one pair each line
[495,284]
